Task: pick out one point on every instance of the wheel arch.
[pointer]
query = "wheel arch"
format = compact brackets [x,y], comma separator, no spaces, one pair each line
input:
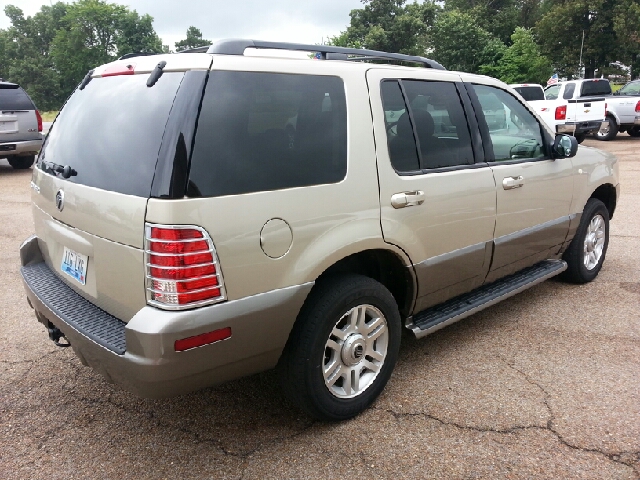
[606,193]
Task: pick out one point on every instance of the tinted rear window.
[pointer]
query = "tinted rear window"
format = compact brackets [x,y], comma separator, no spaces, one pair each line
[14,98]
[267,131]
[111,132]
[595,87]
[531,93]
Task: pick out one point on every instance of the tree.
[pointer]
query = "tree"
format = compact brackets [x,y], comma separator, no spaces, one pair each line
[460,44]
[390,26]
[521,62]
[194,39]
[626,24]
[96,32]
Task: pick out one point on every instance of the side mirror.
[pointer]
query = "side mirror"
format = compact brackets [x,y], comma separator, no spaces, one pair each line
[565,146]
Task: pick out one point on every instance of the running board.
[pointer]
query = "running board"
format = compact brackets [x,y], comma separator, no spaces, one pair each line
[439,316]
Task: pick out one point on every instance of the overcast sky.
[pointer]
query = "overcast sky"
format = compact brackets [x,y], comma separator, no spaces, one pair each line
[282,20]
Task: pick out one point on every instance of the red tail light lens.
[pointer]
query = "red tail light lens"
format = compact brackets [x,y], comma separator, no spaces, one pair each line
[39,117]
[182,268]
[638,106]
[119,69]
[561,112]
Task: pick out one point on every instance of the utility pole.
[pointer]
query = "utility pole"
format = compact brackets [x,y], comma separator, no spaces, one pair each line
[581,47]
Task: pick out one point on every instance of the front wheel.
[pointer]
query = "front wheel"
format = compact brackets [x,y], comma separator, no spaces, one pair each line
[588,248]
[608,130]
[342,349]
[634,131]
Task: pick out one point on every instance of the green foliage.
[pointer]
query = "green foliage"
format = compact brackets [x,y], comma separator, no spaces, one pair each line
[49,53]
[194,39]
[521,62]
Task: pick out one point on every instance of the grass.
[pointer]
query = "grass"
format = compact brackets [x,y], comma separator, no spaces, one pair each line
[615,87]
[49,116]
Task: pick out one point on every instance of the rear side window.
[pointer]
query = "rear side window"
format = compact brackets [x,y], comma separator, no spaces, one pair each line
[13,98]
[110,132]
[531,93]
[569,90]
[267,131]
[432,132]
[595,87]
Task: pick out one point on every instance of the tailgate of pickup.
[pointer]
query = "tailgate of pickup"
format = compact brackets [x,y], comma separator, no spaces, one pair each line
[584,110]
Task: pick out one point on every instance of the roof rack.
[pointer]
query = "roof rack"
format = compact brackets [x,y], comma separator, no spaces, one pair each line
[327,52]
[135,54]
[195,49]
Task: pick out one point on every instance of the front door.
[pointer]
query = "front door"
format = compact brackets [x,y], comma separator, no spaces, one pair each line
[534,191]
[437,202]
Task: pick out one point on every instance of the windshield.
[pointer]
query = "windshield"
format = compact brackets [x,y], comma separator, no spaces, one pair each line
[110,132]
[632,88]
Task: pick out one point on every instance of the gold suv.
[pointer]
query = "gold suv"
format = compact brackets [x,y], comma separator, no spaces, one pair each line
[208,215]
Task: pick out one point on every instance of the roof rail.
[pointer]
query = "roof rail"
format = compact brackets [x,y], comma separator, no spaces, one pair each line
[327,52]
[135,54]
[195,49]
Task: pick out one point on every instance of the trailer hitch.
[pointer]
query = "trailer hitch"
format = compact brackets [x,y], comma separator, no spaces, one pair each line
[55,335]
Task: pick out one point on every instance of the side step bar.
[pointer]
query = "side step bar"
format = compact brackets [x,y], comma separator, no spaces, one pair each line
[439,316]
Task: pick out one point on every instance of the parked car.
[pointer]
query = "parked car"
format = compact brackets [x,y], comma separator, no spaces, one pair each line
[531,92]
[201,234]
[20,126]
[631,95]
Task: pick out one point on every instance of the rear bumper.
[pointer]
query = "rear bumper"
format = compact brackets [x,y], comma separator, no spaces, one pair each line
[27,147]
[575,128]
[140,355]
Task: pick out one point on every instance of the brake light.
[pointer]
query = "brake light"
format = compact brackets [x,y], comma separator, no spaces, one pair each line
[561,112]
[119,69]
[638,106]
[39,117]
[182,267]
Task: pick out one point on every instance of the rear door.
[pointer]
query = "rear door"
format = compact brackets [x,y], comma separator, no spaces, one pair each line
[91,225]
[534,191]
[437,197]
[18,120]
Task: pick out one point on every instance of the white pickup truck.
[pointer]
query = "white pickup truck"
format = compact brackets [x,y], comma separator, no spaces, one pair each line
[567,107]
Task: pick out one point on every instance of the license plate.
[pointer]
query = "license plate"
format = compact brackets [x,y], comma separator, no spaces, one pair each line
[75,264]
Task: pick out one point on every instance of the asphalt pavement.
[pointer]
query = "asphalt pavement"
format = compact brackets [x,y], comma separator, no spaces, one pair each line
[543,385]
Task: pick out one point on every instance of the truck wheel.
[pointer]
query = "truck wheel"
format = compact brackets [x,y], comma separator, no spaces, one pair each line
[21,163]
[342,349]
[608,131]
[580,137]
[634,131]
[588,248]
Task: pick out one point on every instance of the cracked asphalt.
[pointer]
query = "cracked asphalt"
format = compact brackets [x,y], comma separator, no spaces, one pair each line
[543,385]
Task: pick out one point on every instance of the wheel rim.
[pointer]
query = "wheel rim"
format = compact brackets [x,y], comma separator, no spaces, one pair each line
[355,351]
[604,129]
[594,242]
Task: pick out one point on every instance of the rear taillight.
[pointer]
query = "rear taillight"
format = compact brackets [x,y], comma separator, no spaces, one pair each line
[561,112]
[182,267]
[638,106]
[39,117]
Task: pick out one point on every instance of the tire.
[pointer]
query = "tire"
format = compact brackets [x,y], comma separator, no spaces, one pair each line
[330,340]
[588,248]
[21,163]
[608,131]
[634,131]
[580,137]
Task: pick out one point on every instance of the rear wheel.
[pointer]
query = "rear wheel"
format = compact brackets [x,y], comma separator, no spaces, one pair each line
[588,248]
[21,163]
[634,131]
[608,130]
[580,137]
[343,348]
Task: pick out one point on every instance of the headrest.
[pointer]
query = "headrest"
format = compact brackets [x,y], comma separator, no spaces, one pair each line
[424,121]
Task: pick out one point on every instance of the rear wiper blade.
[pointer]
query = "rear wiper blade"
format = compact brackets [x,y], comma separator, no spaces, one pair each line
[65,170]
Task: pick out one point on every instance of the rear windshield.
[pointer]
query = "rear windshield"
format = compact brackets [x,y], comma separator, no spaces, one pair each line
[531,93]
[595,87]
[267,131]
[110,132]
[13,98]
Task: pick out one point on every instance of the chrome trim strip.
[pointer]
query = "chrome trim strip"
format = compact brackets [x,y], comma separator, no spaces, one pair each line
[423,333]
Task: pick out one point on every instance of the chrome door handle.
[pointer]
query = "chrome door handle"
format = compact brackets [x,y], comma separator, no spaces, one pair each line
[509,183]
[407,199]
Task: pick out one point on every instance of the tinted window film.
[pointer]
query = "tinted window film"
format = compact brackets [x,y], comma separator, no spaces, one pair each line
[14,98]
[400,140]
[531,93]
[267,131]
[595,87]
[110,132]
[569,90]
[443,138]
[515,133]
